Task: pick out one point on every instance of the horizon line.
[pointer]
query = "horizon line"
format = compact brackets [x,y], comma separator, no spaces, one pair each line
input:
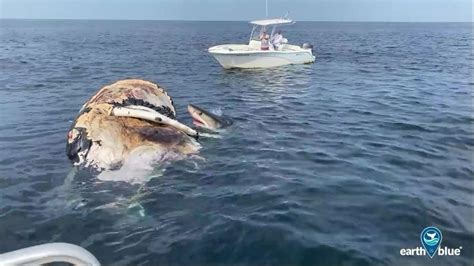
[193,20]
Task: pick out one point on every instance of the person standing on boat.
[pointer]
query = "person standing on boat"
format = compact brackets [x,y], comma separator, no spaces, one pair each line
[276,40]
[264,41]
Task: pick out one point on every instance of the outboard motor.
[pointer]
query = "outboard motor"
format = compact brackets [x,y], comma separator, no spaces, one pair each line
[307,46]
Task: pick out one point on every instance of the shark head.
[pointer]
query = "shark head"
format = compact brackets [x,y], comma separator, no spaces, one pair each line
[208,120]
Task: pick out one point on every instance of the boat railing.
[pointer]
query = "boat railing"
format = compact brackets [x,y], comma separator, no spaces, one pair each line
[49,253]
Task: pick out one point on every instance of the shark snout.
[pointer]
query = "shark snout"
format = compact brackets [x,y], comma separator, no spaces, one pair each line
[198,116]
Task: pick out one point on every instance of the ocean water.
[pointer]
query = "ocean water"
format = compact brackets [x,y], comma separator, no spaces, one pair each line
[341,162]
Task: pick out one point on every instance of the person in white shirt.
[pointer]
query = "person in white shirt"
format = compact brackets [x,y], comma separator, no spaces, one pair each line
[276,40]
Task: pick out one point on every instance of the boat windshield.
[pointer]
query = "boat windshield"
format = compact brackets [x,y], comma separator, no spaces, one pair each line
[258,30]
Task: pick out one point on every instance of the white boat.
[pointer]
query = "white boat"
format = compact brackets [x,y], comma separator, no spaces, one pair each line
[252,56]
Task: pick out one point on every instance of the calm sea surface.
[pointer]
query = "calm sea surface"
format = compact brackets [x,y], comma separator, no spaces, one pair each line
[342,162]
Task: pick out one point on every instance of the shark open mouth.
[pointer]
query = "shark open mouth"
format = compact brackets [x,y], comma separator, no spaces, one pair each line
[198,121]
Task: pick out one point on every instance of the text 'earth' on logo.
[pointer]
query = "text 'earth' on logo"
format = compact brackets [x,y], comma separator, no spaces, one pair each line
[431,240]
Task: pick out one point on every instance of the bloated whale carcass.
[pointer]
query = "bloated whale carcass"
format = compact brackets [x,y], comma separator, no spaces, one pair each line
[128,117]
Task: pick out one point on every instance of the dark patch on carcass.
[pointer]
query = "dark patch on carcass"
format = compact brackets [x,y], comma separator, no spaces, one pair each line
[80,143]
[162,135]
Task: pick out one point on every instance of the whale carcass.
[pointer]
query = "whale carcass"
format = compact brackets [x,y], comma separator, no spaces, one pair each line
[125,118]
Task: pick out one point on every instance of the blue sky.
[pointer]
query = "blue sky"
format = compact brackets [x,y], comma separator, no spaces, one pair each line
[312,10]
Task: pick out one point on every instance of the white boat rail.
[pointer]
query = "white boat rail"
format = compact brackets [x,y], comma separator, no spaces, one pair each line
[48,253]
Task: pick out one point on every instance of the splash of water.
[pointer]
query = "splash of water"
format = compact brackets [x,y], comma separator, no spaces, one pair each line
[216,110]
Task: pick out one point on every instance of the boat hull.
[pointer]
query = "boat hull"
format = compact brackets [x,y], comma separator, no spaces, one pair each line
[262,59]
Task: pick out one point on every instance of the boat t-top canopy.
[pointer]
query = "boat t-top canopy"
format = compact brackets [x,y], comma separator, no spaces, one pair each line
[274,21]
